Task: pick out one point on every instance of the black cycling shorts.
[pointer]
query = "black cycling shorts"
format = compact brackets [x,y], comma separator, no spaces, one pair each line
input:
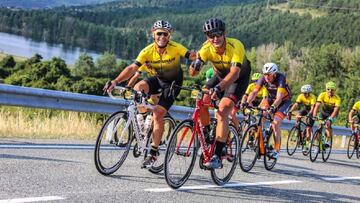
[157,86]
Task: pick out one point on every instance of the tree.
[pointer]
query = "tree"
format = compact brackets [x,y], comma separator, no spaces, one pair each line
[84,66]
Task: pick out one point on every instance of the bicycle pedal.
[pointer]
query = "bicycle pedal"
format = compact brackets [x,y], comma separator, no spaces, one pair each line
[183,154]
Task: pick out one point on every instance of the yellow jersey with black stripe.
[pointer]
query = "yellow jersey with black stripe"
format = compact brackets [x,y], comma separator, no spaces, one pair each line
[234,54]
[261,94]
[168,61]
[356,107]
[329,103]
[306,101]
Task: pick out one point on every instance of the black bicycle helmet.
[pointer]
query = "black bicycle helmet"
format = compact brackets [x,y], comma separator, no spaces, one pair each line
[214,25]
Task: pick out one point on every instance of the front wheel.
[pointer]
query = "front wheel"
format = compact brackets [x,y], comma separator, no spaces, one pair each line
[351,146]
[327,150]
[113,143]
[180,154]
[169,125]
[292,141]
[269,162]
[229,158]
[315,146]
[248,151]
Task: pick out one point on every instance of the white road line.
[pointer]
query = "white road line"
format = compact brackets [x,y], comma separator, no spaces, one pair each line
[229,185]
[342,178]
[32,199]
[46,146]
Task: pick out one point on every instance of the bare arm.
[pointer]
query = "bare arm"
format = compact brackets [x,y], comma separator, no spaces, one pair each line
[278,99]
[294,107]
[335,112]
[316,108]
[133,80]
[252,96]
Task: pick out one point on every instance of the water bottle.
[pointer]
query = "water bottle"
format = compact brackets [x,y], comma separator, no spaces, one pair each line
[147,124]
[140,121]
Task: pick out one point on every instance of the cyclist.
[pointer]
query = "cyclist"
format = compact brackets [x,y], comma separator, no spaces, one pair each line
[330,107]
[227,56]
[261,95]
[308,100]
[355,110]
[279,96]
[163,55]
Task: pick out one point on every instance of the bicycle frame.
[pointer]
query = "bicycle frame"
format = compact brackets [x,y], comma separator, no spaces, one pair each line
[207,149]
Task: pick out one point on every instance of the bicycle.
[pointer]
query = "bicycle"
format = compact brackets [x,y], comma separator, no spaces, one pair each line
[354,142]
[258,141]
[122,129]
[183,147]
[318,143]
[297,136]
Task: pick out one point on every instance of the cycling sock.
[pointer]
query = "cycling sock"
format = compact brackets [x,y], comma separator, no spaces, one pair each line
[277,147]
[219,148]
[154,150]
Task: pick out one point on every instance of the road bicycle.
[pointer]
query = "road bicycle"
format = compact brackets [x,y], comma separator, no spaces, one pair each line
[257,141]
[122,129]
[185,141]
[354,142]
[318,143]
[297,136]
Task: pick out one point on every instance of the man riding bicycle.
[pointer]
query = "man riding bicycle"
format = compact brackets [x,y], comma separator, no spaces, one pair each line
[163,56]
[279,97]
[330,107]
[355,111]
[307,99]
[227,56]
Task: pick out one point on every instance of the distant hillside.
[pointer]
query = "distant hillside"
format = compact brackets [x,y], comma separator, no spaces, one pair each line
[40,4]
[328,5]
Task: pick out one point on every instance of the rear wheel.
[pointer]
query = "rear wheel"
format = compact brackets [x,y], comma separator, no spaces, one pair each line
[229,158]
[269,162]
[351,146]
[327,150]
[248,151]
[113,143]
[169,125]
[180,154]
[315,146]
[292,141]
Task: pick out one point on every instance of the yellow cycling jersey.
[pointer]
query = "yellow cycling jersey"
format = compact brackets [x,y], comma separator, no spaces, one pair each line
[261,94]
[234,54]
[149,70]
[356,107]
[307,102]
[329,103]
[165,62]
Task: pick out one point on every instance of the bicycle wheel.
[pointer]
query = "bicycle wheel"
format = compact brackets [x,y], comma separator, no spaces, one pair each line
[113,143]
[327,150]
[292,141]
[248,151]
[180,154]
[229,158]
[269,162]
[315,145]
[169,125]
[351,146]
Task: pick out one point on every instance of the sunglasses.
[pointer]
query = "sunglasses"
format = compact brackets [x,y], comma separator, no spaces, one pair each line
[215,34]
[328,89]
[165,34]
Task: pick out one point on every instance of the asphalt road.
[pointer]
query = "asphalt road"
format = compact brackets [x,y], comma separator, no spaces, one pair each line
[64,171]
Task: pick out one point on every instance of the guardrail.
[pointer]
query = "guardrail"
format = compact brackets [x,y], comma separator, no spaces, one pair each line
[51,99]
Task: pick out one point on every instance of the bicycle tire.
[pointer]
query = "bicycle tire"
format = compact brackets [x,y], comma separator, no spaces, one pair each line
[327,151]
[159,164]
[222,176]
[293,137]
[269,162]
[351,144]
[243,161]
[171,153]
[315,146]
[109,137]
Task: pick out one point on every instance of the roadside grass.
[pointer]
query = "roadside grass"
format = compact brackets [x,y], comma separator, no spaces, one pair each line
[16,58]
[315,13]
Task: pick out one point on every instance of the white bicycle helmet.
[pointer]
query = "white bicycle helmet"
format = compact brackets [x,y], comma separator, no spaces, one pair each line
[161,24]
[270,68]
[306,89]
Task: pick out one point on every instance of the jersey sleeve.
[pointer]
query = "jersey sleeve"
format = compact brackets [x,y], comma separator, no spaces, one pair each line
[183,51]
[265,93]
[239,54]
[298,99]
[141,58]
[203,53]
[282,85]
[320,98]
[338,102]
[312,100]
[249,89]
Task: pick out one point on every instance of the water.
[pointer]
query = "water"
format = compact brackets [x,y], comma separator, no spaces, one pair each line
[25,47]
